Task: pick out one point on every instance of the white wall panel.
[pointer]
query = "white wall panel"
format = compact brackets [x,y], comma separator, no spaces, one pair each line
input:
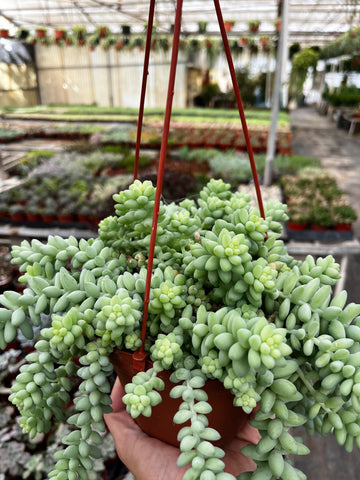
[18,85]
[77,75]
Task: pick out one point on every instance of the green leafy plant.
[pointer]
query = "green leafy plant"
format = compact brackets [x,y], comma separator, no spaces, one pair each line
[202,26]
[8,133]
[22,33]
[108,41]
[343,213]
[231,166]
[254,25]
[227,303]
[314,196]
[198,155]
[20,456]
[301,62]
[346,96]
[79,31]
[31,160]
[247,85]
[320,215]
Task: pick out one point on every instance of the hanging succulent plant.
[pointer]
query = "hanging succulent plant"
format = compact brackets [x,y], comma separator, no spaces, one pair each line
[228,303]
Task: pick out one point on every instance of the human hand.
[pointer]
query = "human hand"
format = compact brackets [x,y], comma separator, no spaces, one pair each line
[151,459]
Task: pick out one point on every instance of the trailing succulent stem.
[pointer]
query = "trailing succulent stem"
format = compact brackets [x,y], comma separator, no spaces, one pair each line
[227,302]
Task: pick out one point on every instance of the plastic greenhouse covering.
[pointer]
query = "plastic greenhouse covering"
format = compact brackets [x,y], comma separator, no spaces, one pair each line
[310,22]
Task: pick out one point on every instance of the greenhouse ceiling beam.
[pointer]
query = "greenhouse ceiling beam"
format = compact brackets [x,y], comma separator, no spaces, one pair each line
[201,9]
[83,12]
[9,19]
[130,14]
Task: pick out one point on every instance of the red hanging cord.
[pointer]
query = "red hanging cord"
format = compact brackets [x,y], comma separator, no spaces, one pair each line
[143,85]
[240,106]
[139,357]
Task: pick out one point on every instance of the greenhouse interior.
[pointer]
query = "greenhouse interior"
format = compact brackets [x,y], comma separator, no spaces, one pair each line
[179,239]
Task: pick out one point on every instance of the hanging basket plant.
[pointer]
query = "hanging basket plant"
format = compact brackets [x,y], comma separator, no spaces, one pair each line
[236,48]
[229,24]
[60,42]
[79,34]
[252,46]
[60,33]
[183,44]
[254,25]
[119,45]
[164,43]
[22,33]
[93,41]
[41,32]
[244,40]
[301,62]
[138,42]
[193,45]
[277,24]
[265,40]
[126,29]
[102,31]
[212,49]
[154,44]
[202,27]
[266,43]
[108,42]
[31,39]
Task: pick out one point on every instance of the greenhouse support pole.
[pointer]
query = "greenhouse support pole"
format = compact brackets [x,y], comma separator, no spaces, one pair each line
[284,59]
[271,143]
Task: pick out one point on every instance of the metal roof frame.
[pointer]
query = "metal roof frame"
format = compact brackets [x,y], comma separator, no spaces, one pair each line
[310,21]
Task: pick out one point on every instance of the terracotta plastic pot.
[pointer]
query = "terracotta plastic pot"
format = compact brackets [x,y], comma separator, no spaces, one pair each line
[296,226]
[83,218]
[59,34]
[40,33]
[48,218]
[103,32]
[318,228]
[225,417]
[33,217]
[65,218]
[18,217]
[343,227]
[228,26]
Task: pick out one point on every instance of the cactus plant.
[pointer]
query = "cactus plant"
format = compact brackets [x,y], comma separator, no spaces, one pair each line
[227,303]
